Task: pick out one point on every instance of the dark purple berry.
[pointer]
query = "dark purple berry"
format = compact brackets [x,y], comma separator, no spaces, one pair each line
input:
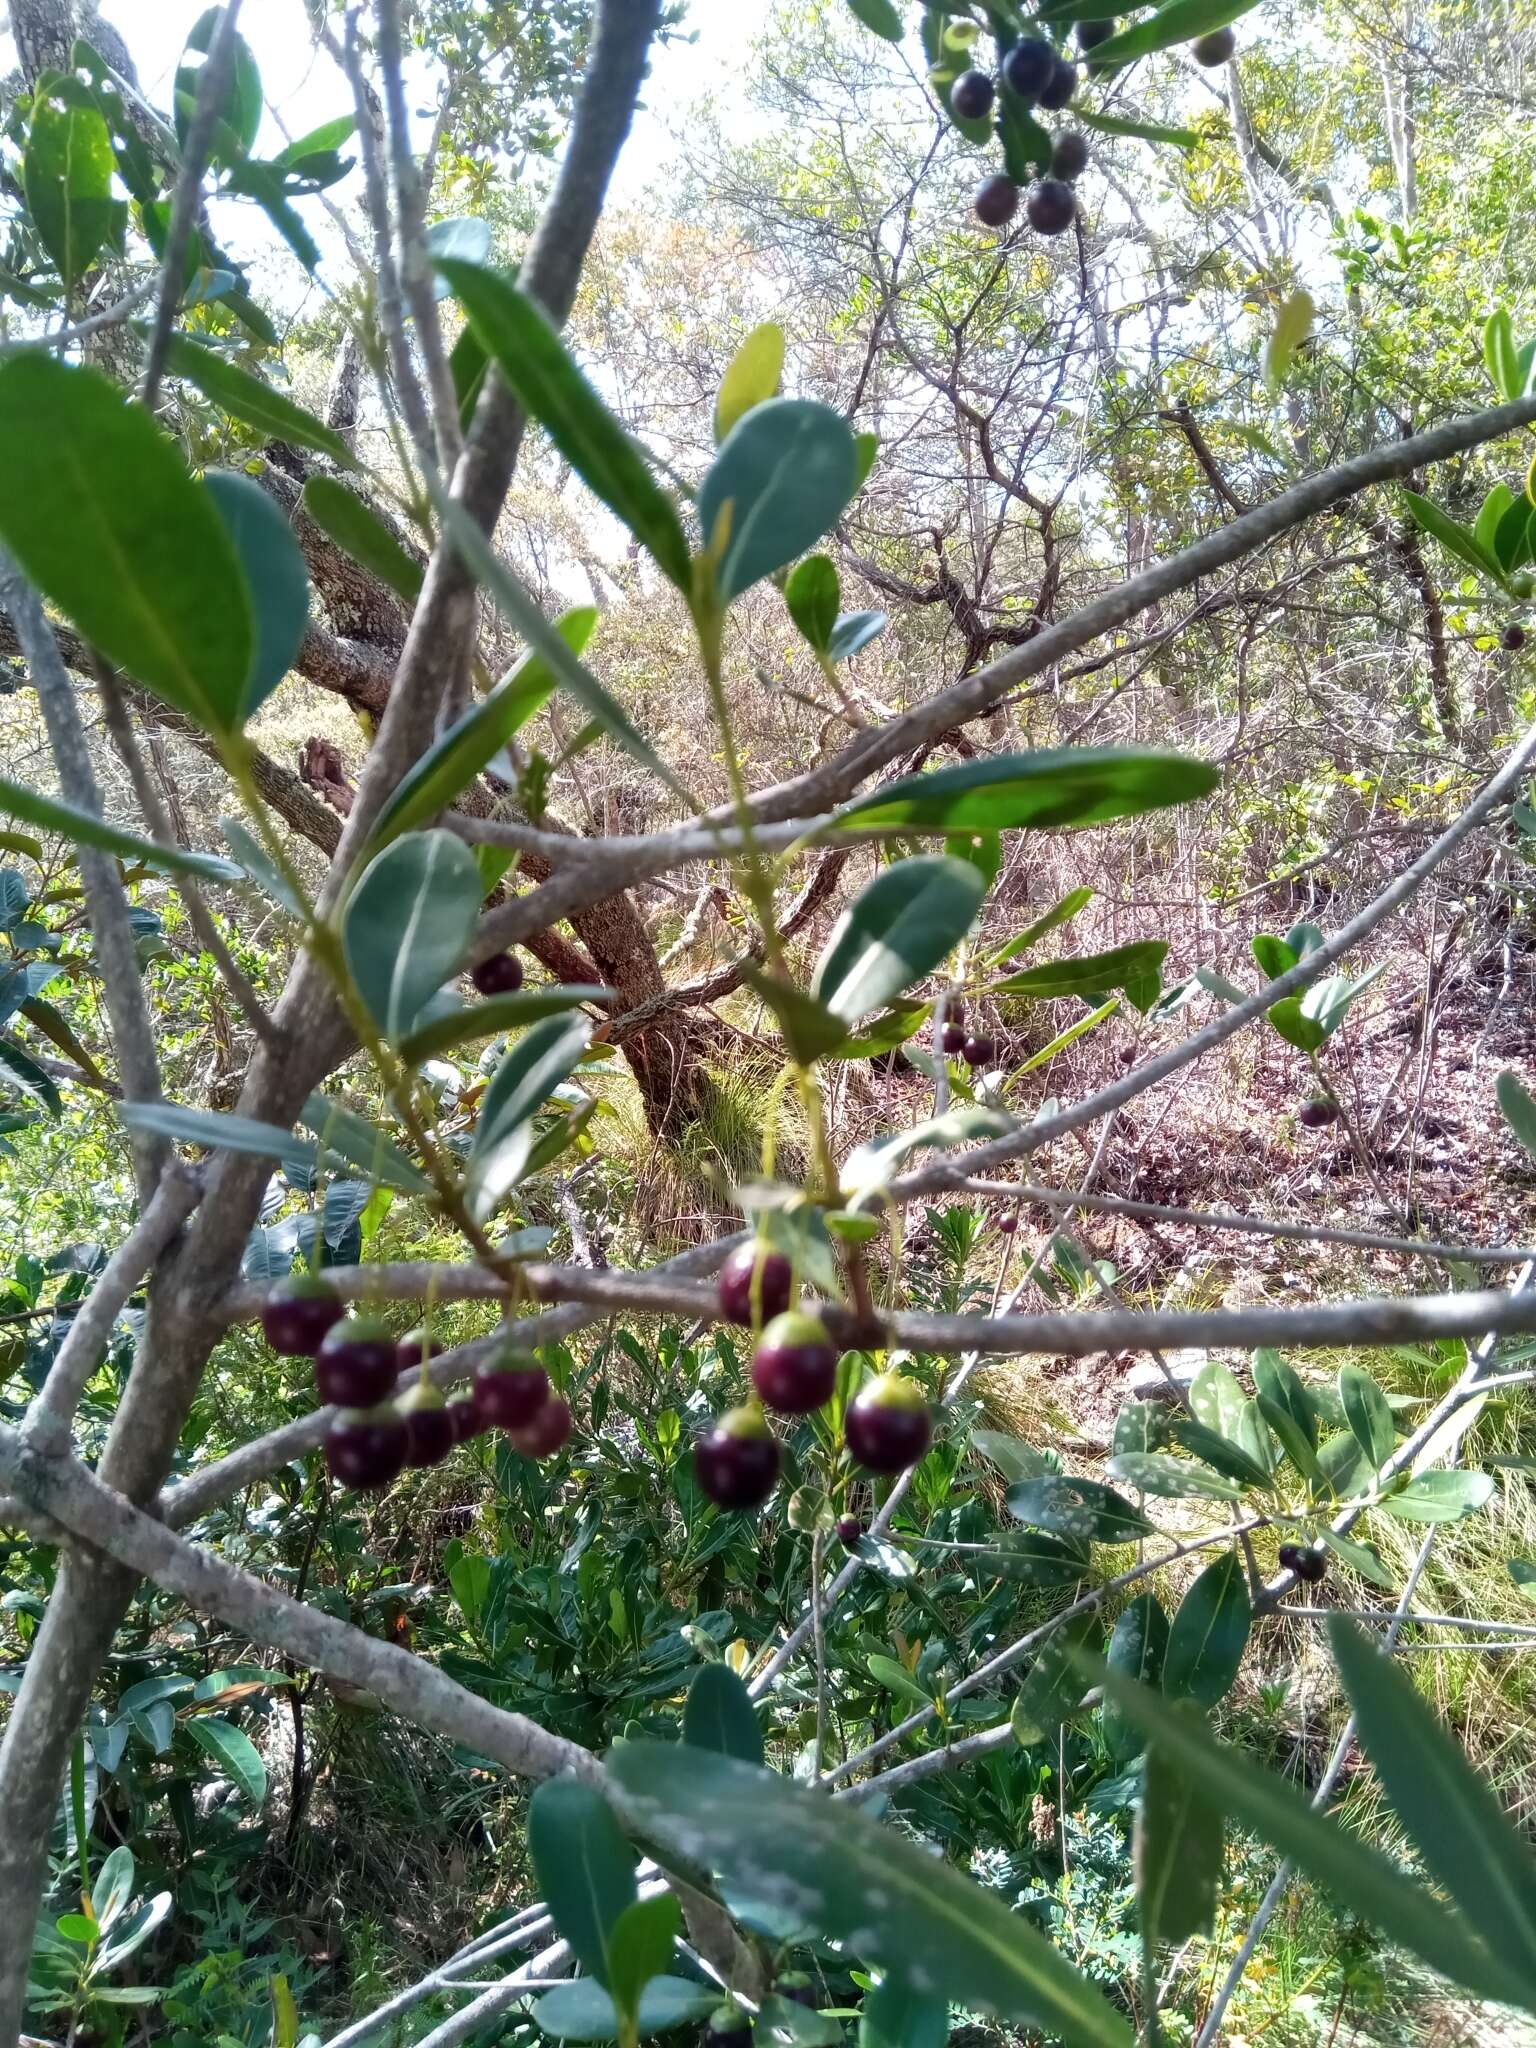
[1216,48]
[1512,639]
[297,1315]
[1091,33]
[547,1431]
[728,2027]
[952,1038]
[1069,157]
[1317,1112]
[794,1368]
[888,1426]
[501,975]
[465,1419]
[1029,66]
[511,1390]
[736,1461]
[428,1425]
[751,1267]
[971,96]
[849,1530]
[979,1051]
[1008,1224]
[365,1448]
[1308,1564]
[996,201]
[415,1348]
[1060,86]
[1052,207]
[355,1366]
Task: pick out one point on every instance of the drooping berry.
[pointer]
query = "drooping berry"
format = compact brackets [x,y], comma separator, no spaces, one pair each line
[428,1425]
[1512,639]
[1030,65]
[952,1038]
[736,1461]
[753,1268]
[888,1425]
[728,2027]
[465,1419]
[980,1050]
[1060,86]
[1317,1112]
[510,1390]
[1308,1564]
[1069,157]
[1091,33]
[1051,206]
[501,975]
[297,1315]
[1008,1224]
[365,1448]
[547,1432]
[996,201]
[794,1368]
[415,1348]
[849,1530]
[971,96]
[355,1366]
[1214,48]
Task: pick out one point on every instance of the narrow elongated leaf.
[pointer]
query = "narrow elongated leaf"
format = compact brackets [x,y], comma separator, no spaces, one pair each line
[1519,1110]
[1054,786]
[1120,967]
[1177,21]
[1441,1497]
[1138,1644]
[496,1015]
[239,114]
[215,1130]
[1450,1812]
[1072,1033]
[872,1164]
[453,762]
[408,924]
[1051,1691]
[1029,1557]
[16,801]
[1363,1558]
[1177,1851]
[753,376]
[853,632]
[1209,1634]
[253,858]
[583,2011]
[895,931]
[1456,540]
[342,1130]
[1294,1441]
[1501,355]
[813,595]
[585,1867]
[275,577]
[234,1750]
[882,16]
[1492,510]
[1279,1383]
[1172,1478]
[719,1715]
[102,514]
[1512,541]
[810,1029]
[1219,1452]
[750,1826]
[1293,323]
[640,1945]
[1059,914]
[19,1071]
[113,1888]
[67,174]
[536,365]
[1366,1412]
[531,1071]
[1084,1509]
[253,402]
[358,531]
[1143,131]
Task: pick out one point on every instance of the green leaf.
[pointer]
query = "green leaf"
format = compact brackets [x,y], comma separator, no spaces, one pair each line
[1177,21]
[1072,1033]
[640,1945]
[1051,1691]
[101,513]
[1486,526]
[1280,1384]
[584,1866]
[454,760]
[496,1015]
[1344,1467]
[896,2016]
[853,632]
[275,577]
[1518,1108]
[1450,1812]
[1294,1026]
[408,924]
[1367,1414]
[1217,1400]
[1217,1451]
[359,532]
[781,479]
[1294,1441]
[533,360]
[1358,1557]
[113,1888]
[19,1071]
[1522,1571]
[319,141]
[234,1750]
[1293,323]
[895,931]
[892,1028]
[870,1165]
[215,1130]
[253,402]
[583,2011]
[342,1130]
[752,378]
[501,1152]
[1177,1851]
[1274,956]
[1513,540]
[1083,1509]
[813,594]
[1441,1497]
[1209,1634]
[1120,967]
[1171,1478]
[1061,913]
[1143,131]
[239,114]
[1328,1002]
[463,239]
[719,1715]
[1501,356]
[256,863]
[16,801]
[866,448]
[1359,1877]
[1140,1426]
[1457,540]
[893,1677]
[1054,786]
[809,1027]
[1028,1557]
[67,174]
[750,1826]
[1138,1644]
[881,16]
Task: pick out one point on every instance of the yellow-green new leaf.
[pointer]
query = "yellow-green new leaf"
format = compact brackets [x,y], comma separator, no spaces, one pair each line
[756,371]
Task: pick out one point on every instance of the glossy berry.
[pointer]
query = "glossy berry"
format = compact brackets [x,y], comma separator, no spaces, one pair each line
[1215,48]
[546,1433]
[1008,1224]
[728,2027]
[501,975]
[979,1051]
[1030,65]
[365,1448]
[428,1425]
[736,1461]
[355,1366]
[953,1037]
[996,201]
[888,1426]
[296,1316]
[849,1530]
[1317,1112]
[1051,206]
[415,1348]
[971,96]
[511,1390]
[1512,639]
[1309,1565]
[1060,86]
[794,1368]
[1069,158]
[773,1286]
[465,1419]
[1091,33]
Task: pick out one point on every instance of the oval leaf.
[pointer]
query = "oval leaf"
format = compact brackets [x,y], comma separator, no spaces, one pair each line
[1085,1510]
[408,924]
[359,532]
[496,1015]
[584,1866]
[755,373]
[719,1715]
[275,577]
[1177,21]
[782,479]
[1209,1634]
[232,1748]
[896,931]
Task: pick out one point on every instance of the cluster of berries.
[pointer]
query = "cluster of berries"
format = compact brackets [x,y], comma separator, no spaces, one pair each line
[976,1048]
[737,1461]
[376,1433]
